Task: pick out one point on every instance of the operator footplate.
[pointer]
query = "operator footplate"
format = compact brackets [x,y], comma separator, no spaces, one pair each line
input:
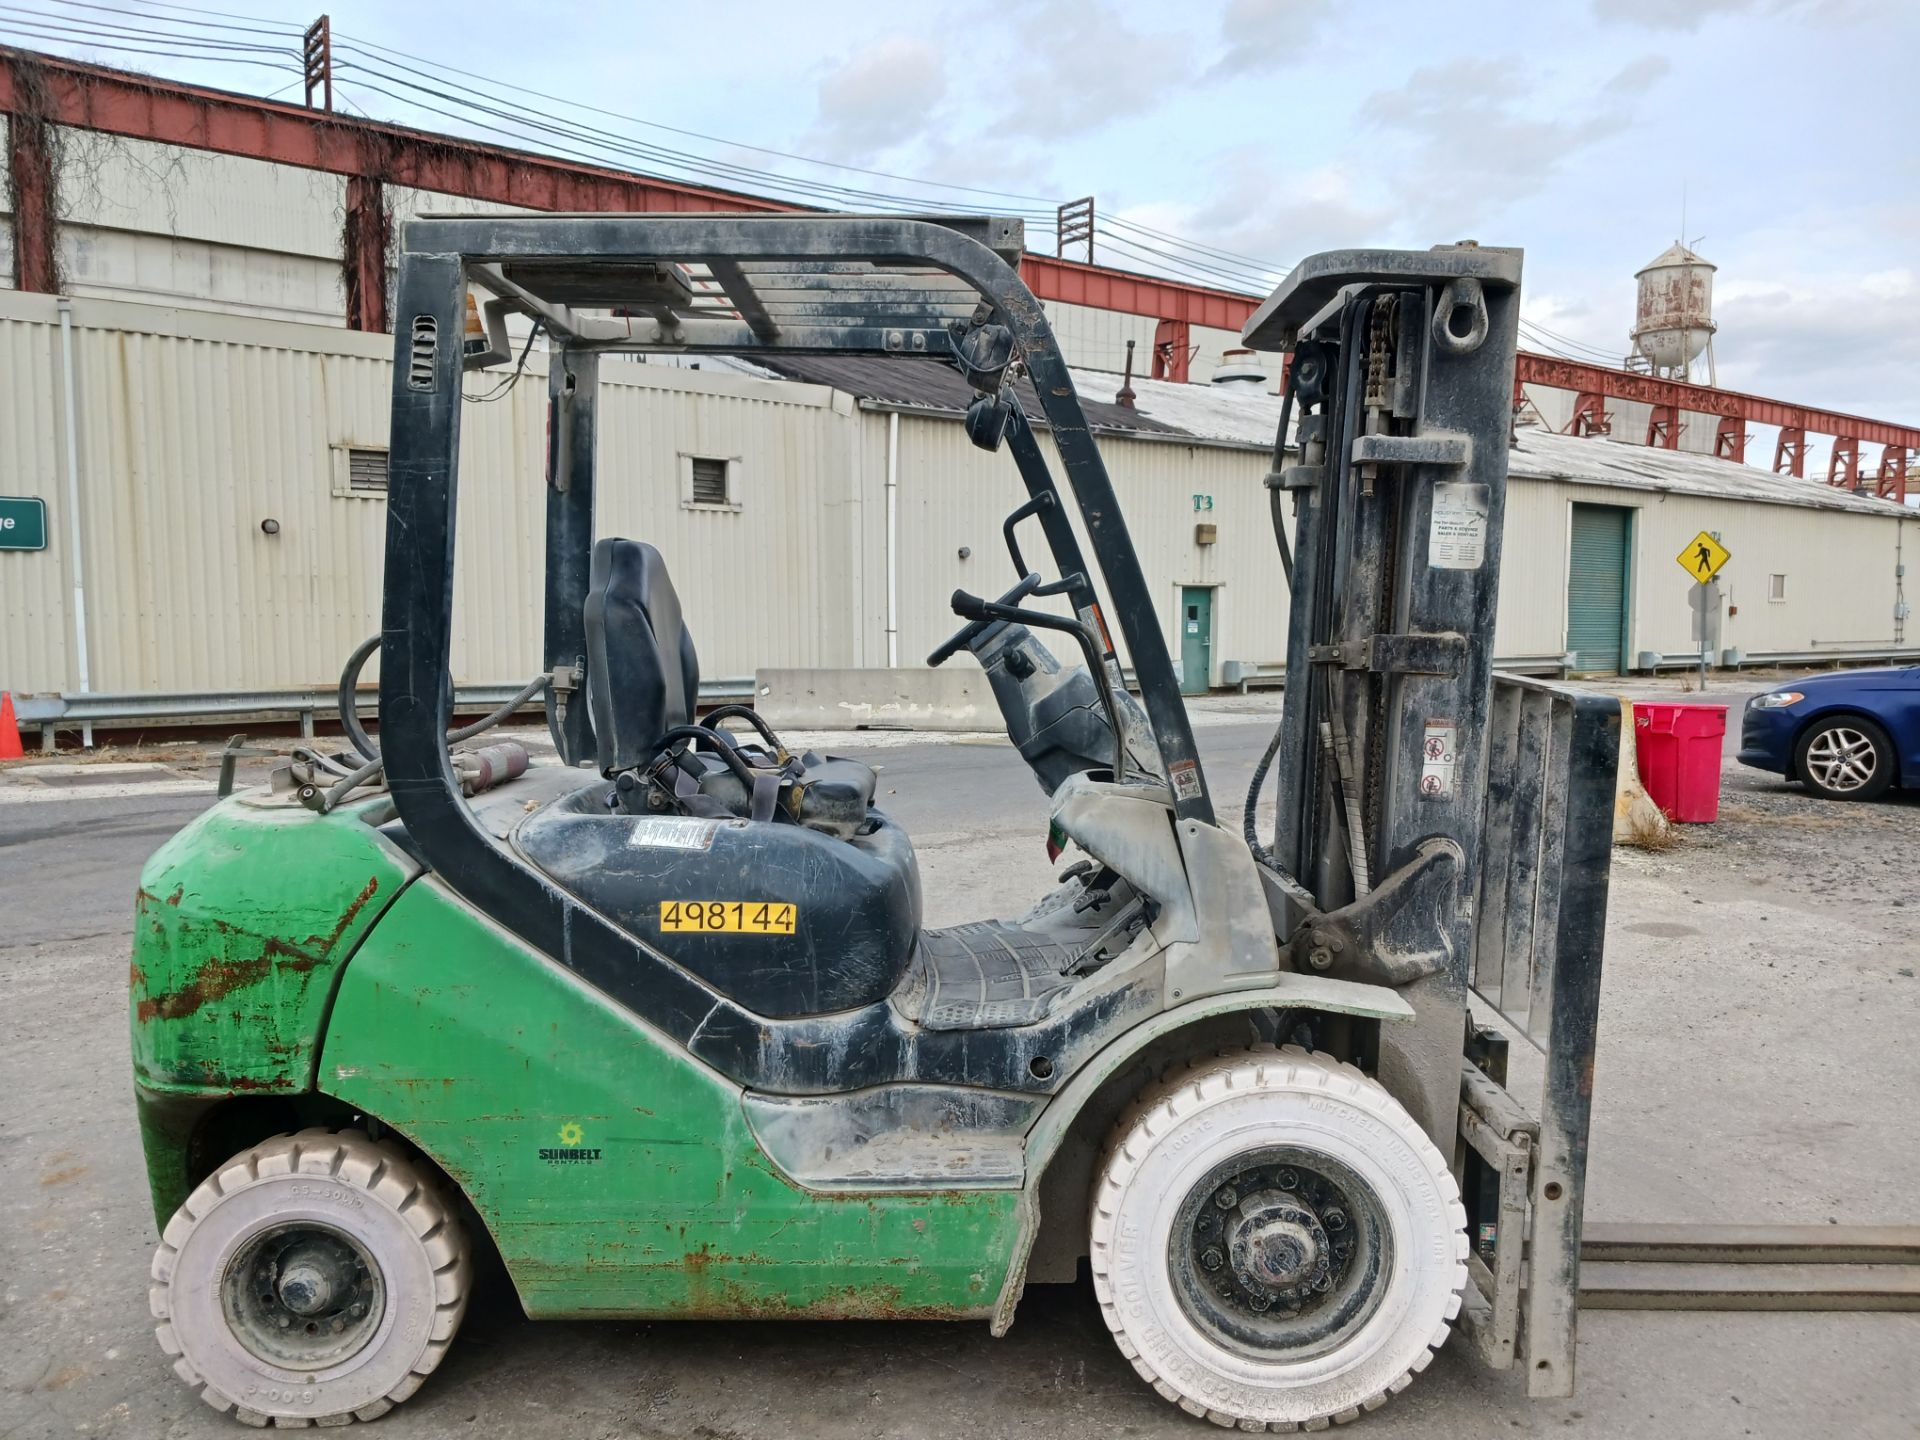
[985,976]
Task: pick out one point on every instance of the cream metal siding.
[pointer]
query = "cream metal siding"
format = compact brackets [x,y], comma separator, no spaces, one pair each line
[953,496]
[1839,566]
[36,628]
[767,583]
[196,427]
[1531,623]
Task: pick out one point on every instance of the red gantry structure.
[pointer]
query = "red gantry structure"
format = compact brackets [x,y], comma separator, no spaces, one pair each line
[38,91]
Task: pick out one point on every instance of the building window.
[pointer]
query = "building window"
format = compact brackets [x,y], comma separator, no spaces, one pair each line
[708,482]
[1776,588]
[360,470]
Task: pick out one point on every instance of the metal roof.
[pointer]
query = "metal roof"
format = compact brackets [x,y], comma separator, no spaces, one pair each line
[1245,417]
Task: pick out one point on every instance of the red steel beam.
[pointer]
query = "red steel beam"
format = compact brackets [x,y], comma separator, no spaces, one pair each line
[1073,283]
[1729,404]
[116,102]
[30,177]
[95,98]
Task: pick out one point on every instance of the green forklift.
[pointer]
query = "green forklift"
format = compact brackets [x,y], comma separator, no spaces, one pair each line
[655,1019]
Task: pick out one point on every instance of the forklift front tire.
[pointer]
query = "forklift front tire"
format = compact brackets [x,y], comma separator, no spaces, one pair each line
[316,1279]
[1275,1242]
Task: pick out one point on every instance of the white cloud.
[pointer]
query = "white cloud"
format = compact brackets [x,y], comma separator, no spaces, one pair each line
[1267,35]
[878,98]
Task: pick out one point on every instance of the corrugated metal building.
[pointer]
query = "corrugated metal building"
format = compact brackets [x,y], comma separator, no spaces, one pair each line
[196,427]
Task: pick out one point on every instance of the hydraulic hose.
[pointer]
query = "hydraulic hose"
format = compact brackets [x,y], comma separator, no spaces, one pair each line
[356,733]
[1248,827]
[349,698]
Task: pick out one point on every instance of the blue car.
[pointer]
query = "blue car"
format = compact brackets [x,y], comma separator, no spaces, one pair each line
[1848,735]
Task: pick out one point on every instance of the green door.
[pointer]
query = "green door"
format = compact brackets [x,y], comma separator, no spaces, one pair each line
[1196,639]
[1597,587]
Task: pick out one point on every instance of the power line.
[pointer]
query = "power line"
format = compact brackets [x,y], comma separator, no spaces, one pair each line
[146,14]
[19,27]
[1195,260]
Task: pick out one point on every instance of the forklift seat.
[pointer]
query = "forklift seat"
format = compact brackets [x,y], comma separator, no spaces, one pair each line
[643,677]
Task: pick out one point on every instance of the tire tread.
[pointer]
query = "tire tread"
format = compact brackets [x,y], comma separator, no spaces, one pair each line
[354,1158]
[1184,1088]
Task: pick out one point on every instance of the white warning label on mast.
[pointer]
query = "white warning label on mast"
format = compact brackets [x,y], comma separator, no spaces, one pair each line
[1437,760]
[1457,533]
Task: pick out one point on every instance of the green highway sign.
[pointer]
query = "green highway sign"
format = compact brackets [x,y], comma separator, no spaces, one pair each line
[23,522]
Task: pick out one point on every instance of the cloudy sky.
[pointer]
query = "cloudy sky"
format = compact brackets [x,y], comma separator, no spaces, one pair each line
[1579,129]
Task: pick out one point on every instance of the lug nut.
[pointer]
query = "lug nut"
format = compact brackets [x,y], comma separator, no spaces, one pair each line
[1226,1199]
[1289,1180]
[1211,1258]
[1335,1219]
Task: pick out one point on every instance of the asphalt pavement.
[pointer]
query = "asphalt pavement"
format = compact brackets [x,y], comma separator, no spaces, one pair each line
[1756,1064]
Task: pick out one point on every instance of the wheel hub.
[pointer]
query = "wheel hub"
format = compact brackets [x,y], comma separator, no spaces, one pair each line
[303,1297]
[1280,1252]
[1278,1244]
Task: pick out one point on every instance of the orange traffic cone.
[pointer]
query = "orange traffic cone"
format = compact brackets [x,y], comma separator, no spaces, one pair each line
[10,747]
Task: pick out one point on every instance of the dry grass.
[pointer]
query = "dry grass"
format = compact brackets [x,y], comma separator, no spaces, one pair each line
[1648,833]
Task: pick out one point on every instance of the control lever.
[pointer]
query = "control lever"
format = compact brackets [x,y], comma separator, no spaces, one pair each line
[985,612]
[965,636]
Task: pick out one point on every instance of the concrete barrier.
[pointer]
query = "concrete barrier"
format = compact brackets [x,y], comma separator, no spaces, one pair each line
[905,699]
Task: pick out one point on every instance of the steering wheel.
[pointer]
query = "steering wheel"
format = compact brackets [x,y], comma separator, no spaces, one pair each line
[967,634]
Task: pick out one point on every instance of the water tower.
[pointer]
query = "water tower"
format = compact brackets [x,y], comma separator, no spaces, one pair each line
[1673,314]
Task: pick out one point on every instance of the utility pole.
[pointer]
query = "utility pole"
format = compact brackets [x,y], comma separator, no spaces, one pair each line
[316,59]
[1073,223]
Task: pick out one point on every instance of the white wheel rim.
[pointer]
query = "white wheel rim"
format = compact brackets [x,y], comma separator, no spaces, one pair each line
[1841,758]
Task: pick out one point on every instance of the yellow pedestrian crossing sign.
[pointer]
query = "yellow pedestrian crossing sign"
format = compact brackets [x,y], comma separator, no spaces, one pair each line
[1703,557]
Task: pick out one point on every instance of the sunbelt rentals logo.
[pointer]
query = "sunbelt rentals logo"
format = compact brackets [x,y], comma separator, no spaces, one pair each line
[572,1149]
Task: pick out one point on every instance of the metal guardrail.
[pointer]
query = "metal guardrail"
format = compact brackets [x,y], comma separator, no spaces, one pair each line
[109,711]
[1653,660]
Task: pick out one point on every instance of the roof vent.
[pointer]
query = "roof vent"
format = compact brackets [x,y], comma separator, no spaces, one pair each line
[1240,367]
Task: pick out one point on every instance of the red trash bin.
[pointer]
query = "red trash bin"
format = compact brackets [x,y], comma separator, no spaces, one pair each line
[1679,749]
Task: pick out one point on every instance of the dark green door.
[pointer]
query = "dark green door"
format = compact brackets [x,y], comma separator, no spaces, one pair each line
[1597,588]
[1196,639]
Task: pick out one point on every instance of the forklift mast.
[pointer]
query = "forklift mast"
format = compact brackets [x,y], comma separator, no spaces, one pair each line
[1402,373]
[1475,809]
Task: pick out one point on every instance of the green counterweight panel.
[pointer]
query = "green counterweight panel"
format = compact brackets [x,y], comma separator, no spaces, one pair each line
[241,924]
[617,1175]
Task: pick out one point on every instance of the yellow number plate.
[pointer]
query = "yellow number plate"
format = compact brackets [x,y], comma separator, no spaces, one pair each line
[707,917]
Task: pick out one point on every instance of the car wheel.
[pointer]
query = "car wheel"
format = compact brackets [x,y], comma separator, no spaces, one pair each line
[314,1280]
[1276,1244]
[1847,757]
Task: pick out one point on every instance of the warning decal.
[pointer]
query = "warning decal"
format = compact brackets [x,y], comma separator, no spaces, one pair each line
[1185,775]
[1437,760]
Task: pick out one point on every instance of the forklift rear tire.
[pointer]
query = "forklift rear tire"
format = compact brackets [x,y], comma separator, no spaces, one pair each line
[1276,1244]
[316,1279]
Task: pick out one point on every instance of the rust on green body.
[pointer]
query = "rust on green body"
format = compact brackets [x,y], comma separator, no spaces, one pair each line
[617,1174]
[242,922]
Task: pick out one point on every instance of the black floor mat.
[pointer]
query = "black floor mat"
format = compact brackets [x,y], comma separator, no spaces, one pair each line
[983,976]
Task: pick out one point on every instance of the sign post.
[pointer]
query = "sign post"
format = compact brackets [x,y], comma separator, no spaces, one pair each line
[1702,560]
